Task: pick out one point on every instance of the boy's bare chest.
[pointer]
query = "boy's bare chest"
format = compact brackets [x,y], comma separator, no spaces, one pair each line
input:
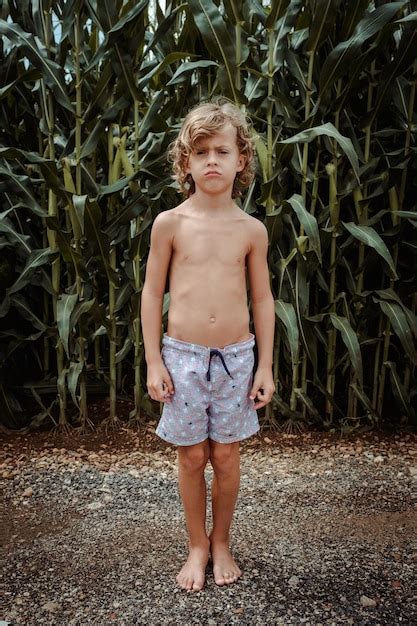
[208,244]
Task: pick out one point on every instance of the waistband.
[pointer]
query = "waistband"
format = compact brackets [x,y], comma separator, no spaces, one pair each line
[196,348]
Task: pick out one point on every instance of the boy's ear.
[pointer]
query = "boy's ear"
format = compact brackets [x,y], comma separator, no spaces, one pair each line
[186,165]
[241,163]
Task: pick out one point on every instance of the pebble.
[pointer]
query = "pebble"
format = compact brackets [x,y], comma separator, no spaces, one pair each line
[365,601]
[51,607]
[95,506]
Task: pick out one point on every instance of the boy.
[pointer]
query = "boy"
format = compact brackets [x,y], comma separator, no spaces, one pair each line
[204,374]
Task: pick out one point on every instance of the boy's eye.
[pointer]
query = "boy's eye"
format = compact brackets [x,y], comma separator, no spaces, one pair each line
[204,151]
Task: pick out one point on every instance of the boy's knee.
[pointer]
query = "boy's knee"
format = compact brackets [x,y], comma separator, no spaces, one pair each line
[223,455]
[194,457]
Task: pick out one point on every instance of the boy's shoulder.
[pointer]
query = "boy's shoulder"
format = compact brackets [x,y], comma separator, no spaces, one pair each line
[166,220]
[169,215]
[256,226]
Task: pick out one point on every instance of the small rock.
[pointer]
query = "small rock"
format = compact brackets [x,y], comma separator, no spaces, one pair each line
[365,601]
[51,606]
[293,581]
[27,492]
[379,459]
[95,506]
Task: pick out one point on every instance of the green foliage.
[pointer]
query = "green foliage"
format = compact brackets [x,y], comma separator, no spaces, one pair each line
[92,94]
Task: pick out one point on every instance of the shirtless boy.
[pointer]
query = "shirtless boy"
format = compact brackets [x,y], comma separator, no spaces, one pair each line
[204,374]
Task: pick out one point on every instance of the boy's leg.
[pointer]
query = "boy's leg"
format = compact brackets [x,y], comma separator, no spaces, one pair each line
[192,487]
[225,459]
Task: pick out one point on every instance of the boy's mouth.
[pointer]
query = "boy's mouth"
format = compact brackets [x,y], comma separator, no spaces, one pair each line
[212,173]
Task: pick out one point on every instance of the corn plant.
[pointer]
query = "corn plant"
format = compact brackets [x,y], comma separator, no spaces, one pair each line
[92,93]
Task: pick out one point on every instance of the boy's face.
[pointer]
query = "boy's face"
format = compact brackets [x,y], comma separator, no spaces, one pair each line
[215,161]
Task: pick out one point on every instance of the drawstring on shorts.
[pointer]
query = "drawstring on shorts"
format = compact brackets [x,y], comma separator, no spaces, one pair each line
[214,352]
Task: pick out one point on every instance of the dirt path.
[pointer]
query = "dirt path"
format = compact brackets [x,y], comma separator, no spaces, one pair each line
[324,530]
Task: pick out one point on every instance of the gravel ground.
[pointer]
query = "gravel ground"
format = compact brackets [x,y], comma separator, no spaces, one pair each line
[324,531]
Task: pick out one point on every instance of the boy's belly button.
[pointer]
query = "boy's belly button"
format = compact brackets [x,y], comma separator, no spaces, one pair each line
[212,319]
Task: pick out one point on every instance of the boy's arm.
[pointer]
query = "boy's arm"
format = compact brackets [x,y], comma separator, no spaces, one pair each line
[263,311]
[151,304]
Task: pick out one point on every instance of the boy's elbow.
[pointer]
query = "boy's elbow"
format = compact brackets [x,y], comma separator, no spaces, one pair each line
[265,299]
[150,293]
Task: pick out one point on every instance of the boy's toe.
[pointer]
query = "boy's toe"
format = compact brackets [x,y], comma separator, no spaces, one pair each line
[197,587]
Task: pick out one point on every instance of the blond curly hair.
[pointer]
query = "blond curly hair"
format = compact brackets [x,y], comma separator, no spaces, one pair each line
[205,120]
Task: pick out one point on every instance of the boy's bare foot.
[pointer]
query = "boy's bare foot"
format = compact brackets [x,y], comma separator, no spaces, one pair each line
[193,573]
[225,569]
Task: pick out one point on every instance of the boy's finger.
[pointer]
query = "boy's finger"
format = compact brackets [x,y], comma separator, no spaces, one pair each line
[168,384]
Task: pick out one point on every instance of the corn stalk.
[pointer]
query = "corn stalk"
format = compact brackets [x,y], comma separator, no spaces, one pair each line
[48,110]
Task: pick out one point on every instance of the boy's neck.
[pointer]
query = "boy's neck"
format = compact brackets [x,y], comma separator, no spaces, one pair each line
[213,204]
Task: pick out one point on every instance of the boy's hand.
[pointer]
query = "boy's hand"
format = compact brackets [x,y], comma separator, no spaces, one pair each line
[159,383]
[263,387]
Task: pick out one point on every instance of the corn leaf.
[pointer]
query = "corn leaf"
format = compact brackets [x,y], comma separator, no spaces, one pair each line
[400,393]
[51,71]
[340,59]
[74,372]
[403,58]
[65,305]
[307,135]
[36,259]
[308,221]
[185,69]
[350,339]
[217,38]
[400,326]
[359,393]
[21,185]
[370,237]
[26,310]
[286,313]
[12,234]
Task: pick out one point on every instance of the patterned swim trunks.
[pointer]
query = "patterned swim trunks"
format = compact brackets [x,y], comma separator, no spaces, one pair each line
[212,387]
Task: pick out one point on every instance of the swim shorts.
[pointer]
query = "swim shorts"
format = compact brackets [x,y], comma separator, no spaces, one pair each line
[211,392]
